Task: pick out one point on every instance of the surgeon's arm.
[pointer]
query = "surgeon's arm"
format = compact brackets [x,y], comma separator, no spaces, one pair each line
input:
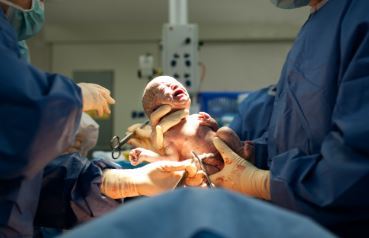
[75,190]
[332,186]
[254,114]
[40,114]
[70,192]
[252,122]
[149,180]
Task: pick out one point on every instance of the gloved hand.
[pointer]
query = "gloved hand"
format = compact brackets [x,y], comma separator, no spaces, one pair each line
[240,175]
[162,122]
[166,122]
[141,137]
[150,180]
[96,97]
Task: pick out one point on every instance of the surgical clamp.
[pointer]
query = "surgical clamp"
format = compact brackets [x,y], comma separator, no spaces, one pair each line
[208,181]
[116,143]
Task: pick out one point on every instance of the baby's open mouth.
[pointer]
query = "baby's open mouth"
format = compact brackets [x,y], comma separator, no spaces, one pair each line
[180,94]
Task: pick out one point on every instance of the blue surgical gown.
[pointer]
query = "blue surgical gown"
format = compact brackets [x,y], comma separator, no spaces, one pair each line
[318,137]
[254,112]
[252,122]
[39,115]
[195,213]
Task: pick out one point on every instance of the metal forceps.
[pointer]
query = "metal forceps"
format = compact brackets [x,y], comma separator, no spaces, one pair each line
[116,143]
[208,181]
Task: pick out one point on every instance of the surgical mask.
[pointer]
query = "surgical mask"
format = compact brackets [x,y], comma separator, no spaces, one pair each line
[290,4]
[26,23]
[23,50]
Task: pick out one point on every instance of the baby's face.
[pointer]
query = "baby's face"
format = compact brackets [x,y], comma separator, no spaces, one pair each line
[174,91]
[165,90]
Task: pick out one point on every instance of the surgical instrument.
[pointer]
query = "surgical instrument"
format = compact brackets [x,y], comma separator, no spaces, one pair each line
[208,181]
[116,143]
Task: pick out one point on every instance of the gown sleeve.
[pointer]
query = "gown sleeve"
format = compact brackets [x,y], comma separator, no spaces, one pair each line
[332,186]
[70,192]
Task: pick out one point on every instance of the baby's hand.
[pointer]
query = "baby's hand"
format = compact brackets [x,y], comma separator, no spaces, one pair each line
[207,120]
[139,155]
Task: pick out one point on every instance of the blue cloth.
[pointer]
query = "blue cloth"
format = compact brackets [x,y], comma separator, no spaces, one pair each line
[254,113]
[70,192]
[39,114]
[194,213]
[252,122]
[32,132]
[318,134]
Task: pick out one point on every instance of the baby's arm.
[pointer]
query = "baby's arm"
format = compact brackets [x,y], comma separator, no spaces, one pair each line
[207,120]
[139,155]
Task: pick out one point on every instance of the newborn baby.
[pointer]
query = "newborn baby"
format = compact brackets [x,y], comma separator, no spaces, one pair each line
[193,133]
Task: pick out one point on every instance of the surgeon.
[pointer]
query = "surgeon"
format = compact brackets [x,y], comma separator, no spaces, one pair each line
[30,22]
[27,24]
[318,153]
[40,114]
[317,137]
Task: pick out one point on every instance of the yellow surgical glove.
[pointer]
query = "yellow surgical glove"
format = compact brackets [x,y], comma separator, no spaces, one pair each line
[96,97]
[240,175]
[162,121]
[141,137]
[159,113]
[166,122]
[150,180]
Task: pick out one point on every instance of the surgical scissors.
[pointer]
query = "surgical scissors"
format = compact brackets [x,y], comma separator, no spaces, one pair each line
[116,143]
[208,181]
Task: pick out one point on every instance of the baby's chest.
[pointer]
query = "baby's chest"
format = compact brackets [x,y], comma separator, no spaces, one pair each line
[189,136]
[186,131]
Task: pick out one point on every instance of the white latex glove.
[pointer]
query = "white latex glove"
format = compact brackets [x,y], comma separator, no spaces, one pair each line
[240,175]
[162,122]
[96,97]
[150,180]
[166,122]
[141,137]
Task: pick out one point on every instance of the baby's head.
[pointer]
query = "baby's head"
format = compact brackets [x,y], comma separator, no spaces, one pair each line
[165,90]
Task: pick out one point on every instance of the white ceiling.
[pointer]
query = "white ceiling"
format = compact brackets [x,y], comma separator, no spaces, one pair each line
[138,12]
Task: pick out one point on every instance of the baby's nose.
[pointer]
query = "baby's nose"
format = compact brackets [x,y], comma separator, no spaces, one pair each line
[173,86]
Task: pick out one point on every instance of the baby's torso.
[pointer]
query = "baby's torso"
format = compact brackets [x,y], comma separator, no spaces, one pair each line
[189,136]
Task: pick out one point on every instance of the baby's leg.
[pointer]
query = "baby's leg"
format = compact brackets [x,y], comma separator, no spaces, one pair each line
[207,120]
